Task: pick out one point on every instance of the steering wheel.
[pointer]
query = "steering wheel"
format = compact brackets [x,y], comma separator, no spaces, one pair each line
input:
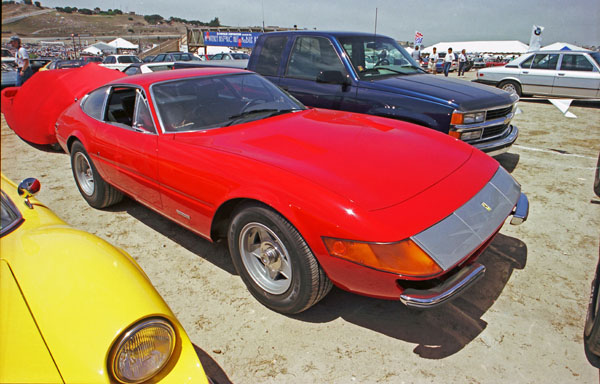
[382,62]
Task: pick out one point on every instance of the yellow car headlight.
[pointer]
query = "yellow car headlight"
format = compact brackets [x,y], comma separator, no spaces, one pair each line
[142,351]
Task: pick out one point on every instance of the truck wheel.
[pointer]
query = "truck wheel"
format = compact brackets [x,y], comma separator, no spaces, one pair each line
[511,87]
[274,261]
[97,192]
[591,333]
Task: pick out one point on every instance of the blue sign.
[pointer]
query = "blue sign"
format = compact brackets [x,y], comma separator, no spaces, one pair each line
[231,39]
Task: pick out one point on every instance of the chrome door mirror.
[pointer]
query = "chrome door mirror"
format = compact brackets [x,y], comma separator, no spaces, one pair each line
[27,188]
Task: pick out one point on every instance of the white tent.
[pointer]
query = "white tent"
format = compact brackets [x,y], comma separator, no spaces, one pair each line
[93,50]
[563,47]
[105,48]
[120,43]
[496,47]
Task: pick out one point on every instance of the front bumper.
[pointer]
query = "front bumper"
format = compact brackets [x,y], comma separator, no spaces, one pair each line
[464,234]
[501,145]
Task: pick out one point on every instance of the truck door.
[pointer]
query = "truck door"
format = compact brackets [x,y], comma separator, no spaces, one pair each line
[309,58]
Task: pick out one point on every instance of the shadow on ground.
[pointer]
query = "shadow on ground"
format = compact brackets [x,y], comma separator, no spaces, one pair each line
[211,367]
[438,332]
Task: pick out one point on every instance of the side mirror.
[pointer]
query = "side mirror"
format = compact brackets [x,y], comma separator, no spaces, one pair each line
[333,77]
[27,188]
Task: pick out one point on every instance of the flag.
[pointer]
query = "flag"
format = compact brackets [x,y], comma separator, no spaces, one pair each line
[535,43]
[418,38]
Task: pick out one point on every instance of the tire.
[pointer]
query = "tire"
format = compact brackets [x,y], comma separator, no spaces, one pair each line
[274,261]
[511,87]
[97,192]
[591,332]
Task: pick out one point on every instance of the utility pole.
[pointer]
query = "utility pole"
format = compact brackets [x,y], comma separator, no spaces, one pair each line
[376,21]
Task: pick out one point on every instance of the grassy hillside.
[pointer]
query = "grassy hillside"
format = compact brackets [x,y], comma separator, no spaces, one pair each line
[63,24]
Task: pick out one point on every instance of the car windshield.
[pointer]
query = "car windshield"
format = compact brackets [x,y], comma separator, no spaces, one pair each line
[129,59]
[376,56]
[240,56]
[596,57]
[207,102]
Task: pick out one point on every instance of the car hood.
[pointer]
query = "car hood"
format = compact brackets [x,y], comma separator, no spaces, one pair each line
[466,96]
[371,161]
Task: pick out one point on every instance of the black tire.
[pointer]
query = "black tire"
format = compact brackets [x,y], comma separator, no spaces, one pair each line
[97,192]
[591,332]
[511,87]
[281,271]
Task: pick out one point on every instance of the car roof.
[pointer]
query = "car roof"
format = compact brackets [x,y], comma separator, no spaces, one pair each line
[155,77]
[321,33]
[562,51]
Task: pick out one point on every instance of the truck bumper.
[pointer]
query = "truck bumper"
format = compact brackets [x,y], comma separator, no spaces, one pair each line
[498,146]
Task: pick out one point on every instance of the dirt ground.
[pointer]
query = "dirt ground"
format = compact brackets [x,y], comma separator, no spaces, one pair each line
[522,323]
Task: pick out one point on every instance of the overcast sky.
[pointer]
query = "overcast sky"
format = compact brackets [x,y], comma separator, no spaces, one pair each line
[572,21]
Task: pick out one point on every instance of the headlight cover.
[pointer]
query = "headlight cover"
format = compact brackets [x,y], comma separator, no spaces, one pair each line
[470,118]
[142,351]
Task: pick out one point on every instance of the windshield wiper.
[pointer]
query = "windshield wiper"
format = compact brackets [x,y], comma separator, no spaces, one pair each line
[382,67]
[271,112]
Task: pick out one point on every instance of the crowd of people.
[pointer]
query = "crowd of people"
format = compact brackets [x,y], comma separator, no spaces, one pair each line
[448,59]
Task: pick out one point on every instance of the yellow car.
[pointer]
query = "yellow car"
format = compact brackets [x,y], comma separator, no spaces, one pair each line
[75,309]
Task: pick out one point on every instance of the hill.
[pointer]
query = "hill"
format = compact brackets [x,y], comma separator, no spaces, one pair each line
[60,24]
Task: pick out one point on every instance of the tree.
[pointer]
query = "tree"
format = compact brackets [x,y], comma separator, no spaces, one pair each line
[85,11]
[214,22]
[38,4]
[153,19]
[28,2]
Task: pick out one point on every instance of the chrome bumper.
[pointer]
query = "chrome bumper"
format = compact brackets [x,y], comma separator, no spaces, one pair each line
[497,147]
[427,298]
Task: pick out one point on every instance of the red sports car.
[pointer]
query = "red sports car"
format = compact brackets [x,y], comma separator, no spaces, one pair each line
[304,197]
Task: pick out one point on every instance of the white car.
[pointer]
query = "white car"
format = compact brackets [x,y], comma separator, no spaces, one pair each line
[139,68]
[119,62]
[573,74]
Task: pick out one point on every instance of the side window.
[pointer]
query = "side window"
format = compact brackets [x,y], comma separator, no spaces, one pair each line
[143,117]
[527,63]
[109,60]
[312,55]
[270,55]
[545,61]
[131,71]
[576,63]
[120,106]
[218,56]
[159,58]
[93,105]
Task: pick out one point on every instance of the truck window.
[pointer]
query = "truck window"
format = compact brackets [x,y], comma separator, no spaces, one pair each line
[311,55]
[270,55]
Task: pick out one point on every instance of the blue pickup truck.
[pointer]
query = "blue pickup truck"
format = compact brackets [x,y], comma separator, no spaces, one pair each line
[372,74]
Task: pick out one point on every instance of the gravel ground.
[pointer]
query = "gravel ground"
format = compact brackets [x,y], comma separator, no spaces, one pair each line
[522,322]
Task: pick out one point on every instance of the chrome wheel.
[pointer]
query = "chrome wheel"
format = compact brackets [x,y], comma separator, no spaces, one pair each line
[265,257]
[84,173]
[510,88]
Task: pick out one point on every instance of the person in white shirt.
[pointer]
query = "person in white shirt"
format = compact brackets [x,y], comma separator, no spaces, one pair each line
[448,59]
[462,62]
[416,54]
[433,58]
[22,59]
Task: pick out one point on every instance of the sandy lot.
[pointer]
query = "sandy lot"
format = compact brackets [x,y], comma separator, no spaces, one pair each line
[522,322]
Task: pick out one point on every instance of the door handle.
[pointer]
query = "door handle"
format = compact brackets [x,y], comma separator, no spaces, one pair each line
[525,72]
[561,74]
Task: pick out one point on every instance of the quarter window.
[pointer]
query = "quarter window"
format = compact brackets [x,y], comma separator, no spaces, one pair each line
[94,103]
[312,55]
[545,61]
[576,63]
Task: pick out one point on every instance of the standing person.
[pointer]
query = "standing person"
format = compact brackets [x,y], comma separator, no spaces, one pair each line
[448,59]
[462,63]
[433,58]
[22,59]
[416,55]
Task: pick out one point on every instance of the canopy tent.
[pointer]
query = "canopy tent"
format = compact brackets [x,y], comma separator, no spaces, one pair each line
[558,46]
[120,43]
[495,47]
[93,50]
[104,48]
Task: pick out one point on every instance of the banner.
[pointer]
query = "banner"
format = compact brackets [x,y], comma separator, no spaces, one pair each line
[535,43]
[418,38]
[231,39]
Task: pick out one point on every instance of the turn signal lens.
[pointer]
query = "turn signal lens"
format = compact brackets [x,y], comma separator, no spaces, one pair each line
[143,351]
[457,118]
[404,257]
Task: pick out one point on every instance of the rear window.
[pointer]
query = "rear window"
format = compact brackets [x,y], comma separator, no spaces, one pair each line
[270,55]
[129,59]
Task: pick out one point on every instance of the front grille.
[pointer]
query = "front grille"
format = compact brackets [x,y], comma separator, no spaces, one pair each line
[495,130]
[498,113]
